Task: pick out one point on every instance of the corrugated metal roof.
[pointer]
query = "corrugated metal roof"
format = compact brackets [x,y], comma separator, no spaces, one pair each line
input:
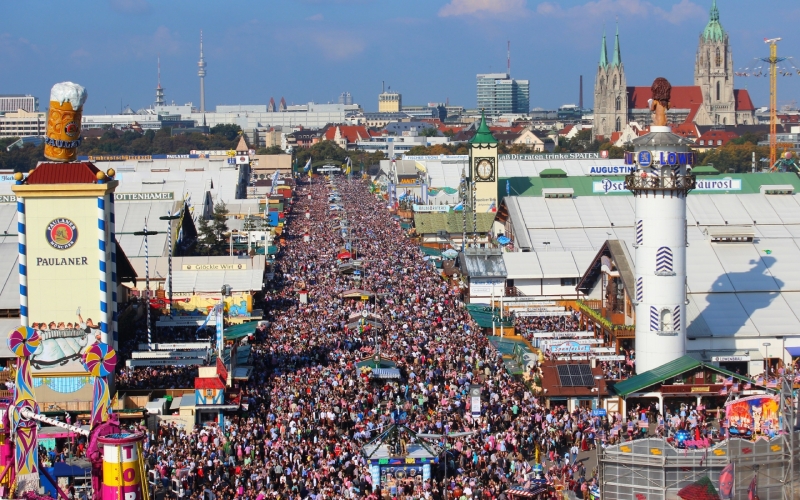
[522,265]
[558,265]
[483,263]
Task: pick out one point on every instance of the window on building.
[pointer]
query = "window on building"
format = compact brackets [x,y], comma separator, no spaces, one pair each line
[618,125]
[702,143]
[718,58]
[618,104]
[569,281]
[718,87]
[719,142]
[615,82]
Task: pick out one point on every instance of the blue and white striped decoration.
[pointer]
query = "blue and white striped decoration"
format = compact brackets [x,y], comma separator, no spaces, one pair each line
[101,253]
[112,240]
[676,318]
[639,289]
[654,327]
[23,263]
[664,260]
[639,232]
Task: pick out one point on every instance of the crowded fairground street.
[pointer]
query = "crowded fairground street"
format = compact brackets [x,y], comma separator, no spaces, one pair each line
[319,397]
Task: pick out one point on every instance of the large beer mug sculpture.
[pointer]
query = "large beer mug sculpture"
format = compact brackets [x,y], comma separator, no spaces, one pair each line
[64,122]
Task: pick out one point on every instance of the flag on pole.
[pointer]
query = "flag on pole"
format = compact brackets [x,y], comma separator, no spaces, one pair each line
[308,166]
[508,187]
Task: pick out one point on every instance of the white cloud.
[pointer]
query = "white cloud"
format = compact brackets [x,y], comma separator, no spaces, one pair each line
[131,6]
[683,10]
[162,41]
[80,56]
[338,45]
[482,8]
[315,17]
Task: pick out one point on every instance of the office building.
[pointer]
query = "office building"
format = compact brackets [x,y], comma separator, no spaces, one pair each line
[499,94]
[23,124]
[390,102]
[14,102]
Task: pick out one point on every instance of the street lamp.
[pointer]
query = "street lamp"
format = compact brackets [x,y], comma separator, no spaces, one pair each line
[170,218]
[766,359]
[147,233]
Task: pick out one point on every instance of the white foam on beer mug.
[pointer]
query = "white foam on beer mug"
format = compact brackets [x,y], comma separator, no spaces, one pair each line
[68,91]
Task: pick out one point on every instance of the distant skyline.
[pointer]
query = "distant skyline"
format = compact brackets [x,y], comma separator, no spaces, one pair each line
[313,50]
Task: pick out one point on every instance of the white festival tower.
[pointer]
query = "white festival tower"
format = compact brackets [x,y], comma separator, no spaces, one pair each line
[660,182]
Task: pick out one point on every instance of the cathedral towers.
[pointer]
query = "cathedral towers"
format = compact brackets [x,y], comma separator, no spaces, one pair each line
[713,73]
[711,100]
[610,92]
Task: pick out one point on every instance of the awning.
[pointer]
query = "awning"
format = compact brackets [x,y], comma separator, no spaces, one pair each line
[238,331]
[176,403]
[668,371]
[523,492]
[386,373]
[793,351]
[242,372]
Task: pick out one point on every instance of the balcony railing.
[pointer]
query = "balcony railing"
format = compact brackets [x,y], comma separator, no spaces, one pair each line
[640,181]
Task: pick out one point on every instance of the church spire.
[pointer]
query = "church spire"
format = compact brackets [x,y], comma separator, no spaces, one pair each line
[617,58]
[713,31]
[603,52]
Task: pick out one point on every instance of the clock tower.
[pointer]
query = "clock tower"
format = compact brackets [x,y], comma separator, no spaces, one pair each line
[483,170]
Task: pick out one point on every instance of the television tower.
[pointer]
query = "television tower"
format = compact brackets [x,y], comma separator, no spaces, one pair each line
[159,88]
[202,74]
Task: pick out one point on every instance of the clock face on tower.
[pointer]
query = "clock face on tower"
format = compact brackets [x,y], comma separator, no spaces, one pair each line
[484,169]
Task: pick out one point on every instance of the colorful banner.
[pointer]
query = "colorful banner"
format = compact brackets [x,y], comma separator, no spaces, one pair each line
[201,305]
[752,417]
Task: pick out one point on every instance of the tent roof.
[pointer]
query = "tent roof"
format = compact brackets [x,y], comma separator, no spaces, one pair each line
[238,331]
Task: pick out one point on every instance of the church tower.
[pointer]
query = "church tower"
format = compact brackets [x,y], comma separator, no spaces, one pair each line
[713,73]
[610,92]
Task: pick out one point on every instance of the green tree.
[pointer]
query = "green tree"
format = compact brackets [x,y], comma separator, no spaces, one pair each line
[226,130]
[430,132]
[212,233]
[272,150]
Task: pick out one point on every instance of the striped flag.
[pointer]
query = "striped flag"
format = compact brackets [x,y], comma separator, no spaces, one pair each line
[729,381]
[747,386]
[723,391]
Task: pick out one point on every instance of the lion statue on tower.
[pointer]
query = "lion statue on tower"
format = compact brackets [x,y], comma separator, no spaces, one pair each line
[659,103]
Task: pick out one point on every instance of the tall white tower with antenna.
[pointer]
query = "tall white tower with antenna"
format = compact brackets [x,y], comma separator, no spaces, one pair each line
[159,88]
[201,72]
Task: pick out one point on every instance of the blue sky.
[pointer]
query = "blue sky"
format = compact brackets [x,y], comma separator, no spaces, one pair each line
[428,50]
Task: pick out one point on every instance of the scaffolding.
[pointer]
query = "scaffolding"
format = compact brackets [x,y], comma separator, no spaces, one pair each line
[653,469]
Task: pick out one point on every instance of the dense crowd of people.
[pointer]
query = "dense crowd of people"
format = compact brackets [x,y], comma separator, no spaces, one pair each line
[311,407]
[548,322]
